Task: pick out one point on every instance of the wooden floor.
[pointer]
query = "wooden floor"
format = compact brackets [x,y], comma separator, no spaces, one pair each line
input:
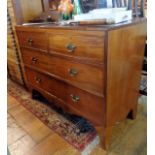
[27,135]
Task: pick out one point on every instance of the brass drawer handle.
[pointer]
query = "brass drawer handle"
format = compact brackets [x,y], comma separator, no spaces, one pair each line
[75,98]
[72,72]
[34,60]
[37,79]
[71,47]
[30,41]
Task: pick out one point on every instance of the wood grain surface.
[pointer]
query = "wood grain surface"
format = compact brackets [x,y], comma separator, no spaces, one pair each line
[33,40]
[124,63]
[81,75]
[87,44]
[108,93]
[84,106]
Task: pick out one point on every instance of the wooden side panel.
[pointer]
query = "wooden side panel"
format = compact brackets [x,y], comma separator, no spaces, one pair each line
[124,62]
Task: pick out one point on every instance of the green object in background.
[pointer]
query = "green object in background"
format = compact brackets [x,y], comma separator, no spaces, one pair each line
[66,16]
[77,8]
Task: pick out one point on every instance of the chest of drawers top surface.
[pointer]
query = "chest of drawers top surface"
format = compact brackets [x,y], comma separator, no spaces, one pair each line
[83,27]
[86,43]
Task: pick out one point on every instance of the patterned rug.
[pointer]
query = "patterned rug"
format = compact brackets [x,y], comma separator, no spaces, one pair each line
[84,141]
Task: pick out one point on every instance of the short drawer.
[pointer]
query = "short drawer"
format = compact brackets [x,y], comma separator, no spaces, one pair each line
[38,40]
[83,44]
[46,83]
[77,100]
[84,76]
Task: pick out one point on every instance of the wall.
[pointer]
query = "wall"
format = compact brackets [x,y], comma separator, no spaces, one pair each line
[30,9]
[13,52]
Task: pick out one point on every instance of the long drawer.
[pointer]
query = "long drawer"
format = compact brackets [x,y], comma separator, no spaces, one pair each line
[84,76]
[81,44]
[37,40]
[79,101]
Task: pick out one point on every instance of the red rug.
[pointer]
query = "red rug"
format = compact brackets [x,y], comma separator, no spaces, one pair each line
[83,142]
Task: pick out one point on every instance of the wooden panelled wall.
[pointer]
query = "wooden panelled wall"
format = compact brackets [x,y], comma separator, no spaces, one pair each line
[30,9]
[26,10]
[18,12]
[13,55]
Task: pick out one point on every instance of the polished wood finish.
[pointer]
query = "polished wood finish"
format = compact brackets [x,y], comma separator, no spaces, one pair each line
[125,65]
[83,76]
[80,44]
[75,100]
[110,55]
[33,40]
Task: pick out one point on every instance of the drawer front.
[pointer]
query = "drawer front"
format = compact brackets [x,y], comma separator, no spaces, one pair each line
[77,101]
[81,75]
[46,83]
[36,40]
[81,45]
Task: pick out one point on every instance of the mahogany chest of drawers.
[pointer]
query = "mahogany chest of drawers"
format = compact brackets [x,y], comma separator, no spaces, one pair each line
[92,71]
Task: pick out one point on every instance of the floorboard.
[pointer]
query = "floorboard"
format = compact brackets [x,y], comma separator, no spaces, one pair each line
[27,135]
